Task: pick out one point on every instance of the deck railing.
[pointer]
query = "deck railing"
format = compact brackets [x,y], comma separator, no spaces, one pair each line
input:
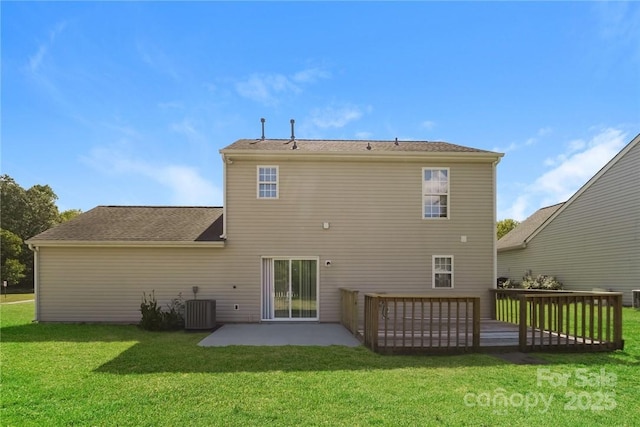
[349,309]
[396,324]
[562,320]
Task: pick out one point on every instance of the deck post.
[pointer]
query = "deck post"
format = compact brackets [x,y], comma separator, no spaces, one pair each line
[476,323]
[494,304]
[617,322]
[522,334]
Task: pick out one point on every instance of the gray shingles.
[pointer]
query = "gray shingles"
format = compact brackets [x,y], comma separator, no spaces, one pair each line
[140,224]
[349,146]
[526,228]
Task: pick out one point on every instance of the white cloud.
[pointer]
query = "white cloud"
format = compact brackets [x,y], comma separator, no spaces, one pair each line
[185,127]
[157,59]
[571,170]
[428,124]
[335,117]
[265,88]
[185,183]
[619,26]
[310,75]
[528,142]
[518,210]
[189,188]
[268,88]
[35,60]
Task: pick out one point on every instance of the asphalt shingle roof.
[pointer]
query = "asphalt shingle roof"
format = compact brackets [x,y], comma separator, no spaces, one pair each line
[140,224]
[349,146]
[526,228]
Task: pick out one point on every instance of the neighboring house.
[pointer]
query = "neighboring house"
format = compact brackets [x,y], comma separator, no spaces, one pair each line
[301,219]
[590,241]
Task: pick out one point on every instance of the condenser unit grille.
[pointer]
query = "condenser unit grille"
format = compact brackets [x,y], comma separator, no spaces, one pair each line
[200,314]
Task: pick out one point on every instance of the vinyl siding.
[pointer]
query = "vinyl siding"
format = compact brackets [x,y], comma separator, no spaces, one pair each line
[595,241]
[377,242]
[107,284]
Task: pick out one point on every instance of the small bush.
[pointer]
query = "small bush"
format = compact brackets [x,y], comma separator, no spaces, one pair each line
[154,319]
[541,281]
[174,318]
[509,284]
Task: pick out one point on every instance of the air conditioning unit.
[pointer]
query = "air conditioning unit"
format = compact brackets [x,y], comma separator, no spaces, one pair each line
[200,314]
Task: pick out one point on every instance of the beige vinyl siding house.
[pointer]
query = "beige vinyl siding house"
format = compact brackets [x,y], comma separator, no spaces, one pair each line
[590,241]
[298,224]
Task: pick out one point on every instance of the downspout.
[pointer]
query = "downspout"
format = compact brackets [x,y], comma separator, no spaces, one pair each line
[224,197]
[36,279]
[495,220]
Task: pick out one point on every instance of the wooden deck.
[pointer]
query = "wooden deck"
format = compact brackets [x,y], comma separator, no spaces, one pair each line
[524,320]
[495,336]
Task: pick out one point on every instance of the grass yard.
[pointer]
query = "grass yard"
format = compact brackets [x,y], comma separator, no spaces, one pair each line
[55,374]
[15,298]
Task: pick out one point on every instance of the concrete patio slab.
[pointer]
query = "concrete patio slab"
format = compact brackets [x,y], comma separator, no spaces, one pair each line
[278,334]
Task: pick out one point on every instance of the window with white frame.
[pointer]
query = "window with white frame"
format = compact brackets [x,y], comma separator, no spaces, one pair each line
[435,193]
[442,271]
[267,182]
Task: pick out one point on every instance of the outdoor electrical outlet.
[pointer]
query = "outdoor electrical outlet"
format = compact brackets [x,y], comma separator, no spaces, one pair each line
[236,307]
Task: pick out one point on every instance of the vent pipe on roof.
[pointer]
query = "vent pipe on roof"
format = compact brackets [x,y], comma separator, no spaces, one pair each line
[262,120]
[293,135]
[368,146]
[396,143]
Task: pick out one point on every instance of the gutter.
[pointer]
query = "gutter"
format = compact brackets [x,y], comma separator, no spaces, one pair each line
[512,247]
[123,243]
[381,155]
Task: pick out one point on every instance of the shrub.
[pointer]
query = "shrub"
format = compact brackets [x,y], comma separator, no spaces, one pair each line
[154,319]
[509,284]
[541,281]
[174,318]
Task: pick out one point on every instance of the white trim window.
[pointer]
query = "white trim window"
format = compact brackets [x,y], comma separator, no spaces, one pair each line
[435,193]
[442,267]
[268,182]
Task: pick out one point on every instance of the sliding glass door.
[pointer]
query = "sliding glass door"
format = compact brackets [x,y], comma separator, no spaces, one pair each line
[290,289]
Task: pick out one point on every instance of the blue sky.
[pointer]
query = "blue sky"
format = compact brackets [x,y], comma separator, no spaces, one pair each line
[129,103]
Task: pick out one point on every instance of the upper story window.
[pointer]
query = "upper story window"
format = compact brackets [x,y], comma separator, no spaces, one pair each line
[435,192]
[442,271]
[267,182]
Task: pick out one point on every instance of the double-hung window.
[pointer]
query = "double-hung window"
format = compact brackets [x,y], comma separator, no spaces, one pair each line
[267,182]
[435,193]
[442,267]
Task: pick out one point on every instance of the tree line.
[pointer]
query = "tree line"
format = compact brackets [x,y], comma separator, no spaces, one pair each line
[23,214]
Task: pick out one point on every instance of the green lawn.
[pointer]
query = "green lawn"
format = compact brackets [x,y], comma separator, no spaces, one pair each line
[119,375]
[15,297]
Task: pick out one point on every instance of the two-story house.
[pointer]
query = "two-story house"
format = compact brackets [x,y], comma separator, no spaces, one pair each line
[301,219]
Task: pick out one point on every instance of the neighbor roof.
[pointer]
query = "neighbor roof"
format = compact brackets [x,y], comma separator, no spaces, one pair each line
[139,224]
[349,146]
[527,230]
[517,237]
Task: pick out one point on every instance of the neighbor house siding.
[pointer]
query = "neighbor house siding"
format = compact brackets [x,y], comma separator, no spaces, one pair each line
[595,241]
[377,240]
